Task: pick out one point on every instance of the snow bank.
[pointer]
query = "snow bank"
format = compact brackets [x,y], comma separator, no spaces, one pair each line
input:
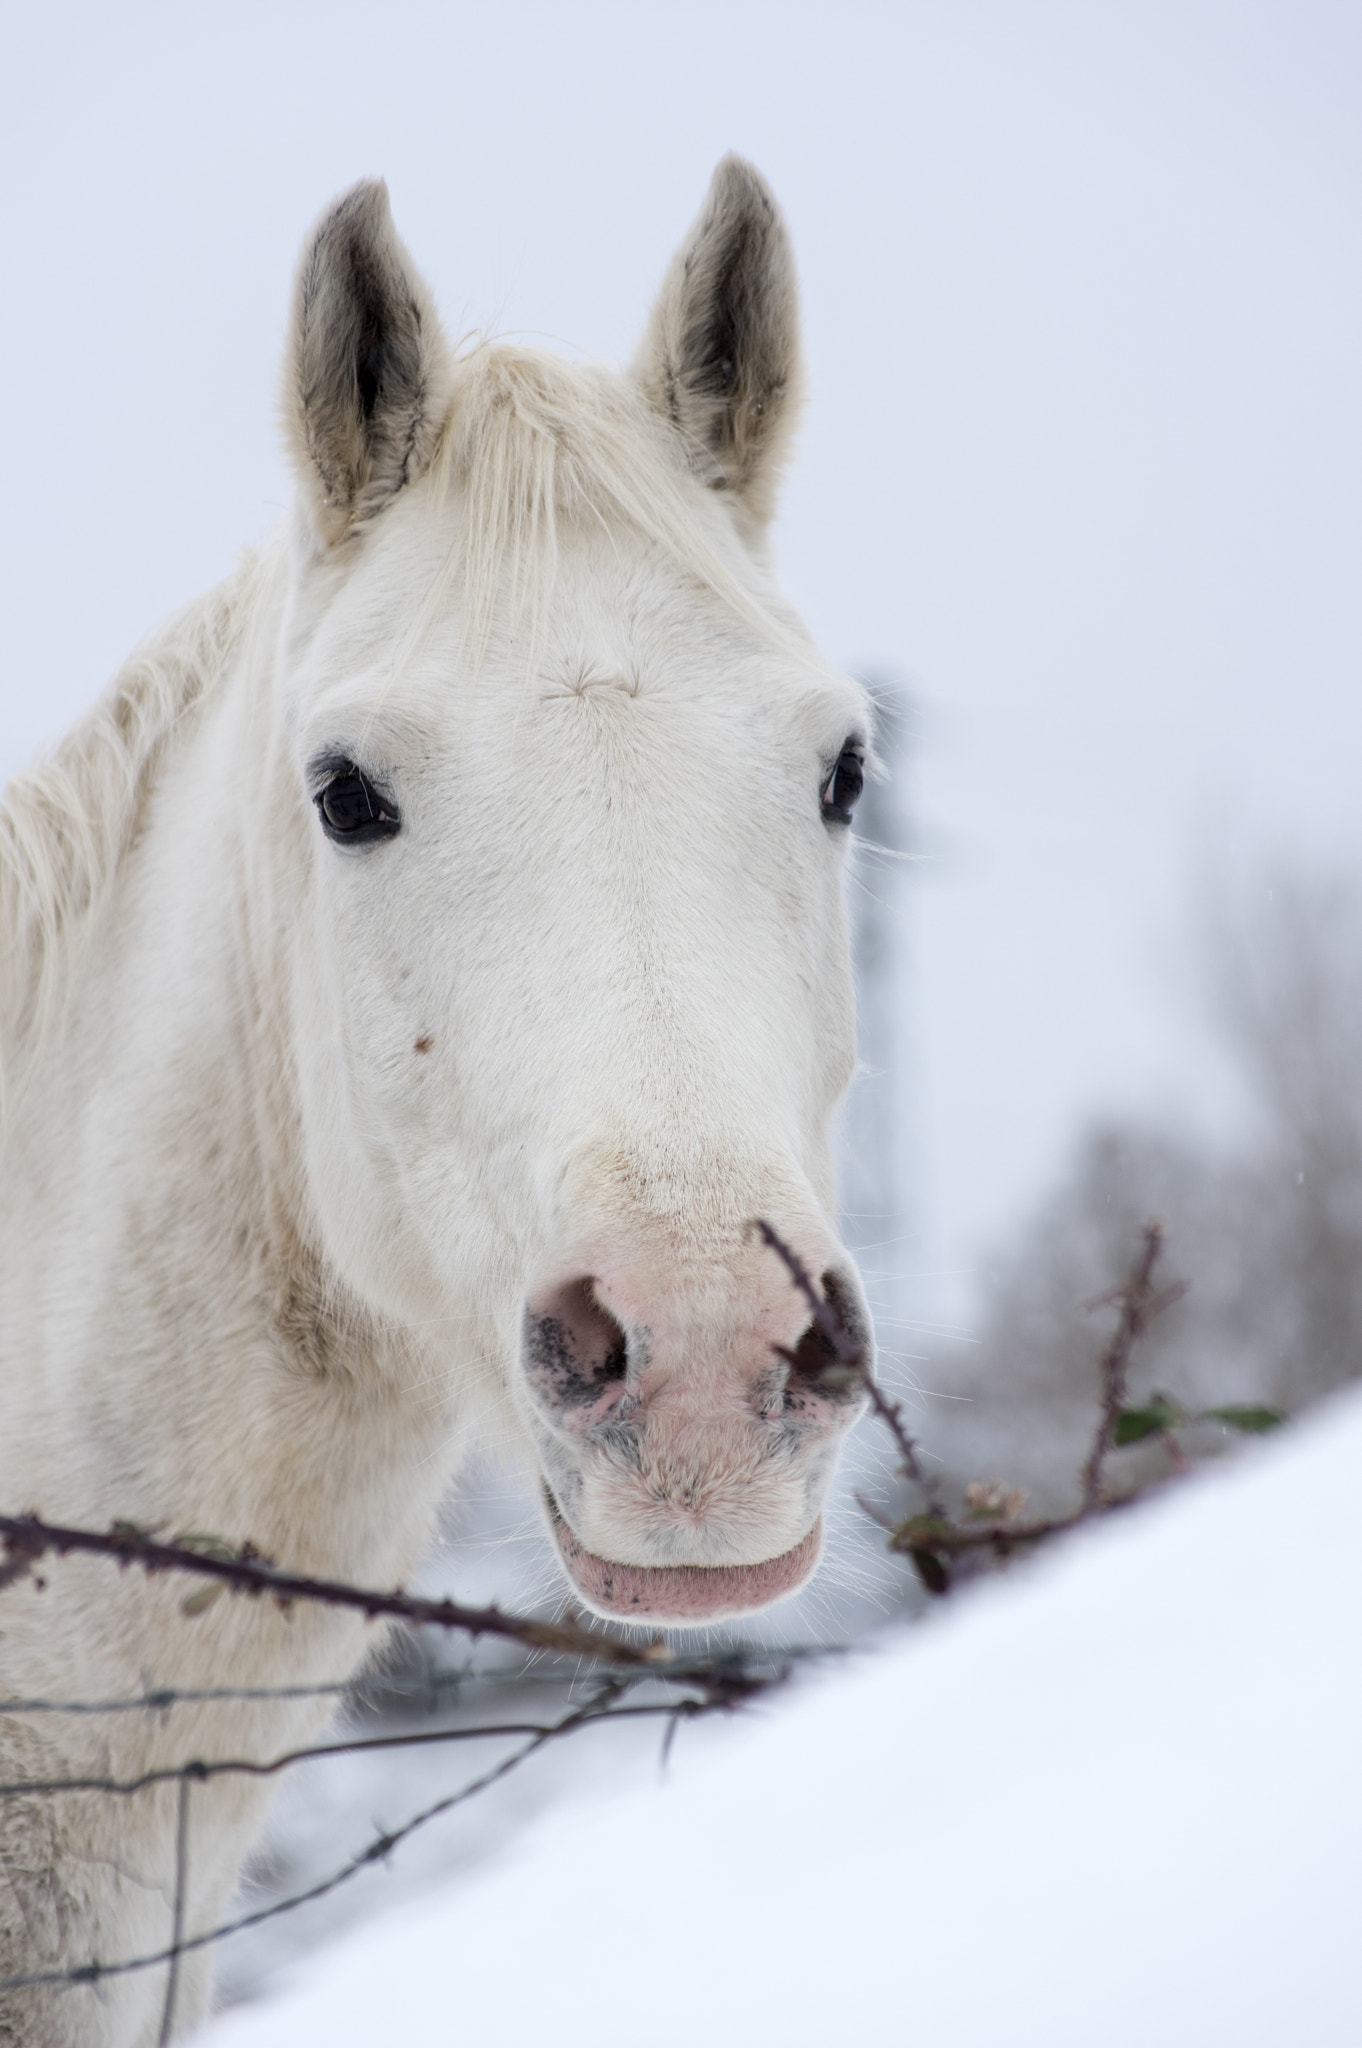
[1114,1797]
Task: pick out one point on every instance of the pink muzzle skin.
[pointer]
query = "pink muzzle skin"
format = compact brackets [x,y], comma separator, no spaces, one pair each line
[686,1595]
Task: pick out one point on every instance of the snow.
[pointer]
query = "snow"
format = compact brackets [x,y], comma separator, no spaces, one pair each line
[1112,1796]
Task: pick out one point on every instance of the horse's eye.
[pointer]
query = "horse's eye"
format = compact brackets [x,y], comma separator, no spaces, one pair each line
[843,786]
[352,811]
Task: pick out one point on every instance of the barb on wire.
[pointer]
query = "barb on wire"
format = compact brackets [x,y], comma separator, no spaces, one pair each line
[28,1538]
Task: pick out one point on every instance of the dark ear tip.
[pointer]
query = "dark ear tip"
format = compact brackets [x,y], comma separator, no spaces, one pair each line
[363,209]
[739,184]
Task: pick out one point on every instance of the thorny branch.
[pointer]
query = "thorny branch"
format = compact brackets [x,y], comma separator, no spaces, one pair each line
[934,1538]
[852,1362]
[1138,1304]
[27,1539]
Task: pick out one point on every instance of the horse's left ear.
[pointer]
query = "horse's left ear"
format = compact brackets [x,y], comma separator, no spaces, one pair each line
[367,376]
[720,358]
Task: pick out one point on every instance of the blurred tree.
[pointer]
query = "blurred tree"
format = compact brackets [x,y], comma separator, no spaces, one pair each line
[1268,1232]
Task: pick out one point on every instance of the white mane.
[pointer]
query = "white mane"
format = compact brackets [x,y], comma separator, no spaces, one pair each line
[66,822]
[532,439]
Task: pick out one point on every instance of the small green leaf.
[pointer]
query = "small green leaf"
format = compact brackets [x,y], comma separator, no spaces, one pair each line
[924,1538]
[1254,1420]
[206,1546]
[926,1531]
[1133,1425]
[199,1602]
[930,1569]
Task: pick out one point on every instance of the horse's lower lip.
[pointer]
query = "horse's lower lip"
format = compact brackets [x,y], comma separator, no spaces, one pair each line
[683,1594]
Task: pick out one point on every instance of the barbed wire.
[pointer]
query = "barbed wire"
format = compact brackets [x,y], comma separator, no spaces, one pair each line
[696,1685]
[600,1707]
[159,1699]
[933,1538]
[202,1771]
[421,1687]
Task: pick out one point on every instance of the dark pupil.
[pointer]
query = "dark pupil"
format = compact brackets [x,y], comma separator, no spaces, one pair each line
[348,802]
[351,808]
[848,779]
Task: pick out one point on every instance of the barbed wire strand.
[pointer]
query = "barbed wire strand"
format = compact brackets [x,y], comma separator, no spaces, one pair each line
[159,1699]
[202,1771]
[378,1850]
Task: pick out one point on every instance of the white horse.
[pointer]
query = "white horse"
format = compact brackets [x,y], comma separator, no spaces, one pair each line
[419,970]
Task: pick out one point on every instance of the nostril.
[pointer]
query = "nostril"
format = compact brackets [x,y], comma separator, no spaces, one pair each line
[574,1348]
[596,1336]
[814,1362]
[812,1355]
[841,1299]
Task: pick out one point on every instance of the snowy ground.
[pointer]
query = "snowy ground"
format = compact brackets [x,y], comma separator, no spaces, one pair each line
[1114,1796]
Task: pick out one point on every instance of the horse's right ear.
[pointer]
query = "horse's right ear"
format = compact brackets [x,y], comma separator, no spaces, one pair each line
[720,359]
[367,377]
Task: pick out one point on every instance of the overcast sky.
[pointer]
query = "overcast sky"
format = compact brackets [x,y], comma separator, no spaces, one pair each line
[1082,462]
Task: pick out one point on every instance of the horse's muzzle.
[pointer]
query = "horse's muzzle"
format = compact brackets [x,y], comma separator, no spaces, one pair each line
[687,1426]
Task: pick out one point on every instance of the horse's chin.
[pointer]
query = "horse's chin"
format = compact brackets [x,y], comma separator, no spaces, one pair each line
[685,1595]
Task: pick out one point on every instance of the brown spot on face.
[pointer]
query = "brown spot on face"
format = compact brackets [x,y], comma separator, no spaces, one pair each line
[423,1043]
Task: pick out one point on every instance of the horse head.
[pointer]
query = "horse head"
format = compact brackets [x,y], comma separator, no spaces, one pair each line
[562,793]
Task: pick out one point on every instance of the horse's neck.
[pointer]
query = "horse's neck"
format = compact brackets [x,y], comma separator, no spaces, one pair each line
[174,1345]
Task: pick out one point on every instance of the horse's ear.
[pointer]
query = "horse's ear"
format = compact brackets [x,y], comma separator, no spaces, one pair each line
[720,358]
[366,382]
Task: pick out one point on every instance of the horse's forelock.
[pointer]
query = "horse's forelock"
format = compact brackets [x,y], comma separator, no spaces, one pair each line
[533,442]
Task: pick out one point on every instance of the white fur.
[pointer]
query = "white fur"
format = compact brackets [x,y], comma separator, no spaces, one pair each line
[264,1261]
